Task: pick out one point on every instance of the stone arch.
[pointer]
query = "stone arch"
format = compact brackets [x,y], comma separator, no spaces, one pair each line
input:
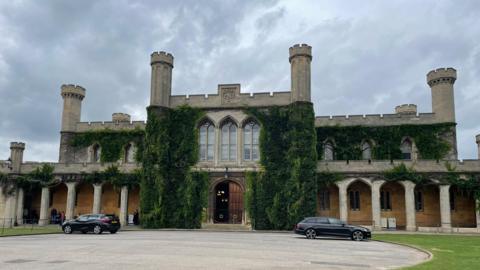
[392,196]
[249,119]
[206,119]
[359,201]
[226,119]
[213,197]
[83,199]
[428,197]
[58,198]
[462,207]
[328,201]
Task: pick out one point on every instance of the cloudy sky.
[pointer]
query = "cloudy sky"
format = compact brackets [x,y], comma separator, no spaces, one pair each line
[369,56]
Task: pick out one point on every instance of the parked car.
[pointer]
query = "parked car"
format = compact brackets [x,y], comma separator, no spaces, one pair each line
[312,227]
[96,223]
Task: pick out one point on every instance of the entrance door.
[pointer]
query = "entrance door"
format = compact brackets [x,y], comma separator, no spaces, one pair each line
[228,203]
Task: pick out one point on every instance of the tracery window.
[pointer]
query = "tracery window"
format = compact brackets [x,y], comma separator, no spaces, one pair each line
[328,151]
[406,149]
[229,141]
[207,141]
[366,150]
[129,153]
[96,152]
[251,133]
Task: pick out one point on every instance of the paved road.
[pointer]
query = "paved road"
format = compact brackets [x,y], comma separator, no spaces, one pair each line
[198,250]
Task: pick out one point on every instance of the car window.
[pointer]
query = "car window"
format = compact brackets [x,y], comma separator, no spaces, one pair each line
[335,221]
[322,220]
[83,218]
[309,220]
[92,217]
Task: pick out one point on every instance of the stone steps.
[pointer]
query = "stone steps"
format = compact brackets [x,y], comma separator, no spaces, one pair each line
[225,227]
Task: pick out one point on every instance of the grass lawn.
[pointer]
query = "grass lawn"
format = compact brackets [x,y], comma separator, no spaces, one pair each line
[449,251]
[29,230]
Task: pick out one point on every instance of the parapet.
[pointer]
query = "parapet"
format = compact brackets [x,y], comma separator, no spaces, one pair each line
[89,126]
[17,145]
[441,75]
[376,120]
[161,57]
[406,109]
[71,90]
[120,117]
[300,50]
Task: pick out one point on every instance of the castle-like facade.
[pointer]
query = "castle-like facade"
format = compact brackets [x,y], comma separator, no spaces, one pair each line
[229,147]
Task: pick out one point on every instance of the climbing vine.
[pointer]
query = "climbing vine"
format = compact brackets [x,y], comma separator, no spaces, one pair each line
[285,191]
[111,142]
[402,173]
[429,140]
[327,178]
[172,196]
[113,176]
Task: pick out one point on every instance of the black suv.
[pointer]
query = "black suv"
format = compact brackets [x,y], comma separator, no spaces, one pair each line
[96,223]
[312,227]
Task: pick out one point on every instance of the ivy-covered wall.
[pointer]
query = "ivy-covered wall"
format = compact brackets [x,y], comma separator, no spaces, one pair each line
[285,191]
[429,140]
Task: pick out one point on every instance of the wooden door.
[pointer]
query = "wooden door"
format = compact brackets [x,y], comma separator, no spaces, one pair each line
[235,203]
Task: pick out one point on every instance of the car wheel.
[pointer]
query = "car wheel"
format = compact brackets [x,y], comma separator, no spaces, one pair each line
[311,234]
[114,231]
[67,229]
[357,236]
[97,229]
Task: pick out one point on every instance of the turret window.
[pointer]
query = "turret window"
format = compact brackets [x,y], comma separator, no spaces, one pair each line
[250,146]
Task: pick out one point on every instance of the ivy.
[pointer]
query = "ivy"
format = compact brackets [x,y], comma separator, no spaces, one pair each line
[429,140]
[111,142]
[327,178]
[171,195]
[285,191]
[113,176]
[403,173]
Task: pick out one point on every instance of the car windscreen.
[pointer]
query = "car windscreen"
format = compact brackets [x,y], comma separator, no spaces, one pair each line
[335,221]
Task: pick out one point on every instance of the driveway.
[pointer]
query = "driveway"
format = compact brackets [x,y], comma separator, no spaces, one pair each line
[199,250]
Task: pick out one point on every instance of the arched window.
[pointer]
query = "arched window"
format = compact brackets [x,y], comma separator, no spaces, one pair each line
[366,150]
[229,141]
[129,153]
[251,134]
[406,149]
[328,151]
[207,141]
[96,152]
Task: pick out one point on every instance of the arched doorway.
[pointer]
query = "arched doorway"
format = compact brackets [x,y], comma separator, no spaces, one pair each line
[228,203]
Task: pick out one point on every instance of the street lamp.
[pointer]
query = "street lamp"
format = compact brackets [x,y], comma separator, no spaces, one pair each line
[226,173]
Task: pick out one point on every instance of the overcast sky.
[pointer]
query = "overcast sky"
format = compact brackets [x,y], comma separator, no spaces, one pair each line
[369,56]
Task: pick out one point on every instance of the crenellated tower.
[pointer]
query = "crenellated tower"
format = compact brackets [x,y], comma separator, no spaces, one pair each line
[300,59]
[161,84]
[72,108]
[443,103]
[16,155]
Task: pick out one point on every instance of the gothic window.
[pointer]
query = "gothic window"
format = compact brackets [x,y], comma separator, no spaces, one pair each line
[385,201]
[324,199]
[229,141]
[96,152]
[406,149]
[418,200]
[354,200]
[129,153]
[366,151]
[207,141]
[328,152]
[251,133]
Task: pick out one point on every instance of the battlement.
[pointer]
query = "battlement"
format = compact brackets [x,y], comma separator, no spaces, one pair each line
[375,120]
[71,90]
[406,109]
[441,75]
[100,125]
[161,57]
[17,145]
[300,50]
[120,117]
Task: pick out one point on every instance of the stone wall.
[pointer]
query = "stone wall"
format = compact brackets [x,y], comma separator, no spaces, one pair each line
[430,215]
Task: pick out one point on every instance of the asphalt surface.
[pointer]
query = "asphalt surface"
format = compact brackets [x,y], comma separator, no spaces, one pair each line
[199,250]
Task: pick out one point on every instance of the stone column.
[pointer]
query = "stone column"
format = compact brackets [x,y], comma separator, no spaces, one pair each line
[44,205]
[342,200]
[20,201]
[445,215]
[9,213]
[376,215]
[71,194]
[410,205]
[97,198]
[124,206]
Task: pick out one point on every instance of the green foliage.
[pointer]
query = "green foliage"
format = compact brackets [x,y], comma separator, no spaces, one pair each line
[111,142]
[285,191]
[386,140]
[467,183]
[169,199]
[403,173]
[113,176]
[327,178]
[42,175]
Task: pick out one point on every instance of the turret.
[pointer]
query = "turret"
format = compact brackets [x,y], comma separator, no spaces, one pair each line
[161,84]
[120,118]
[72,106]
[478,144]
[406,109]
[441,83]
[300,59]
[16,155]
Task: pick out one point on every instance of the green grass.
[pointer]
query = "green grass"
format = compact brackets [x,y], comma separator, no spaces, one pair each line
[29,230]
[449,251]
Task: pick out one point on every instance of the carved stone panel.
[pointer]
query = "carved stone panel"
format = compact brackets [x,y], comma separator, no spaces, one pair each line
[230,93]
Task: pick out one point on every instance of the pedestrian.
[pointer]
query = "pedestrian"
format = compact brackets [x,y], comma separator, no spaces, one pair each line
[135,218]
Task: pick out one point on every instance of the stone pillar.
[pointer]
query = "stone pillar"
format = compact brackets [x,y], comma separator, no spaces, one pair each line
[20,202]
[410,212]
[478,144]
[71,194]
[376,215]
[9,213]
[97,198]
[44,205]
[342,200]
[445,215]
[124,206]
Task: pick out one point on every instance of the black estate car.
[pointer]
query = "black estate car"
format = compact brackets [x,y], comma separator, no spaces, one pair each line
[96,223]
[312,227]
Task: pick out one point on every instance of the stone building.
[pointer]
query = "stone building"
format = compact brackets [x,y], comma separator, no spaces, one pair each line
[229,146]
